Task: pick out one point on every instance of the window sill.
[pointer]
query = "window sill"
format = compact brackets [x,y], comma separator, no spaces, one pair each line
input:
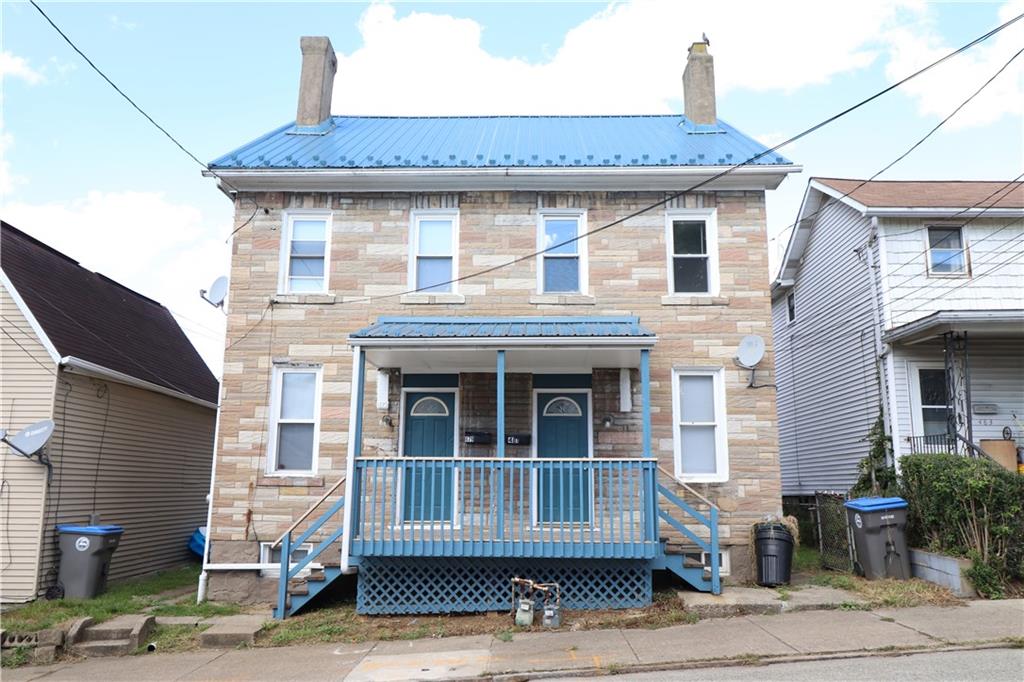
[435,299]
[298,481]
[562,299]
[680,299]
[316,299]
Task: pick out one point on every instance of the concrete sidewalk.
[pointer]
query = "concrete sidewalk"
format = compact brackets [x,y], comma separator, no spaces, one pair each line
[790,636]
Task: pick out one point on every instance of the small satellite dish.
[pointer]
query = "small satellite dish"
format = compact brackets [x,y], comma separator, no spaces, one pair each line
[30,439]
[750,352]
[217,292]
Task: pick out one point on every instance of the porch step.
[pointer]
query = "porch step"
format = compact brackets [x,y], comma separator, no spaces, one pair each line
[302,590]
[117,637]
[691,572]
[113,647]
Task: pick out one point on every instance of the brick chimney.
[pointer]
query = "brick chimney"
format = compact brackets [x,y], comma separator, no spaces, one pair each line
[316,83]
[699,86]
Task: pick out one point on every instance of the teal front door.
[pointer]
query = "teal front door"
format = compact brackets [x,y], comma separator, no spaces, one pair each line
[427,488]
[563,425]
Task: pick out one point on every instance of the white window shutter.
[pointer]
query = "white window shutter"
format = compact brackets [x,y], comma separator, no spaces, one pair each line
[383,388]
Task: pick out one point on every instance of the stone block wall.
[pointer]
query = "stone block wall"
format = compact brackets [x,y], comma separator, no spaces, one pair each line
[628,273]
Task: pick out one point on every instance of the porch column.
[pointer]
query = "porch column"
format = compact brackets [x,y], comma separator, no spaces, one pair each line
[355,448]
[359,379]
[645,392]
[501,403]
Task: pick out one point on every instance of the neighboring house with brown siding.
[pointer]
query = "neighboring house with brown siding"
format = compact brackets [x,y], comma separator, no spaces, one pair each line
[134,408]
[456,409]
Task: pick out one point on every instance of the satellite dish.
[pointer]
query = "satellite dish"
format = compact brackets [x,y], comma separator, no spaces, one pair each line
[30,439]
[217,292]
[750,352]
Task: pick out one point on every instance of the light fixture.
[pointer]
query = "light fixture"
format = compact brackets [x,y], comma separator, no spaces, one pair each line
[607,421]
[386,420]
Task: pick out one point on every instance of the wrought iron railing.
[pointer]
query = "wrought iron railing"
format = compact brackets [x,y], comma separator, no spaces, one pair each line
[930,444]
[504,507]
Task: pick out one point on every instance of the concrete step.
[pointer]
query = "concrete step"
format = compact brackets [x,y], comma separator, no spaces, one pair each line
[99,633]
[108,647]
[231,631]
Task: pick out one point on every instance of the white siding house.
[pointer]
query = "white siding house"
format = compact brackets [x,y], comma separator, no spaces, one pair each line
[904,299]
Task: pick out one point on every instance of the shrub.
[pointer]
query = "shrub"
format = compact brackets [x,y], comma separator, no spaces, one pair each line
[967,507]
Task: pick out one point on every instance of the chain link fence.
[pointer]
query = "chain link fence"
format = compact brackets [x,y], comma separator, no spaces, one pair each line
[834,538]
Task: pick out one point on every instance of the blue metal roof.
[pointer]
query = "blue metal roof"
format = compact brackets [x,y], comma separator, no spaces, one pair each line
[499,141]
[501,327]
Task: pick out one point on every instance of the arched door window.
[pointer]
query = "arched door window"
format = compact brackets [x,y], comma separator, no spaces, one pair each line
[562,407]
[429,407]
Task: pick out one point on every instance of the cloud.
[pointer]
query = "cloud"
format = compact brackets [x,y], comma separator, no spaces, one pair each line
[13,66]
[164,250]
[627,58]
[122,24]
[7,179]
[943,88]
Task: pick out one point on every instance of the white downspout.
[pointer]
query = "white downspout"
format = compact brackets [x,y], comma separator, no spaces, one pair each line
[204,577]
[350,461]
[882,351]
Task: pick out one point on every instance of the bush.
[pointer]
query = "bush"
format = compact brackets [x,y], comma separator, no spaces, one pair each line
[967,507]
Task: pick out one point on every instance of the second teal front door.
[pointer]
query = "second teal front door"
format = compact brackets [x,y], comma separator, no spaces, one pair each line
[427,490]
[563,423]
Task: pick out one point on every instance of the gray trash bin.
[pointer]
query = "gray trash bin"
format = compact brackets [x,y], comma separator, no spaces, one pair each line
[85,553]
[879,536]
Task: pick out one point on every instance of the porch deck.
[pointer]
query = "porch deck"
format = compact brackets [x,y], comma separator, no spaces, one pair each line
[509,507]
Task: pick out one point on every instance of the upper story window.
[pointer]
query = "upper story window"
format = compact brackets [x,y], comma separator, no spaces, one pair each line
[790,307]
[700,438]
[295,421]
[946,252]
[305,252]
[433,261]
[563,268]
[692,240]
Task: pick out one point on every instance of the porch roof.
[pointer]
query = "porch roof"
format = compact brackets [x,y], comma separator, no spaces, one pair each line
[983,322]
[474,330]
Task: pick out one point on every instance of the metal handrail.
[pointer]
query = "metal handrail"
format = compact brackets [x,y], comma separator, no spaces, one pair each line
[305,514]
[478,458]
[688,487]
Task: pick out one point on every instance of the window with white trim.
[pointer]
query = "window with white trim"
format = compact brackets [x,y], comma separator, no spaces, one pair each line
[562,267]
[295,416]
[305,253]
[692,240]
[790,307]
[273,556]
[434,243]
[946,252]
[700,438]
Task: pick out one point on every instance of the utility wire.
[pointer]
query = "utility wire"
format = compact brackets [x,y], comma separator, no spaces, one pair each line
[921,141]
[27,351]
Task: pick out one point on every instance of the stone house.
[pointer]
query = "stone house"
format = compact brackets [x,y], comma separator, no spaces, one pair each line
[442,371]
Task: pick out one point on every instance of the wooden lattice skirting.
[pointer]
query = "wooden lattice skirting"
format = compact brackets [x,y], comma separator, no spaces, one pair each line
[398,585]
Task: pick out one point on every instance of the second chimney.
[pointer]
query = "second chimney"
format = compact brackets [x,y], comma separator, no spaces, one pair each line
[316,83]
[699,86]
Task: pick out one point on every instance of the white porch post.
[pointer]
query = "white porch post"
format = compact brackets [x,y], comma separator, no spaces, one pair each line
[501,403]
[355,437]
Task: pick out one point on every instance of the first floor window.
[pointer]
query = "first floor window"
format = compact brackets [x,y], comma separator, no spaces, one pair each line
[946,253]
[932,388]
[698,406]
[305,253]
[562,264]
[295,412]
[433,251]
[693,252]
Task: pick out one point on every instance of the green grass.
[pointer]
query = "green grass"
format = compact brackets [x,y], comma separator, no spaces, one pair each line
[503,635]
[806,560]
[840,581]
[172,639]
[14,658]
[121,598]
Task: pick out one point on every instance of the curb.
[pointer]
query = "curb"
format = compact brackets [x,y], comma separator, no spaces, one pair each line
[750,661]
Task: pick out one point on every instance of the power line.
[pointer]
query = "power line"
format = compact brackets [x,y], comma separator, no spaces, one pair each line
[922,141]
[26,350]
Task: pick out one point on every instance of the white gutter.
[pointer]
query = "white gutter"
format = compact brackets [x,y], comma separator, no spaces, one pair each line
[555,177]
[73,364]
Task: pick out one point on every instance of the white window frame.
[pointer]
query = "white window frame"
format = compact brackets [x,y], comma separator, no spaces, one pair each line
[710,218]
[916,408]
[721,425]
[414,247]
[725,564]
[964,252]
[275,572]
[288,219]
[275,419]
[581,249]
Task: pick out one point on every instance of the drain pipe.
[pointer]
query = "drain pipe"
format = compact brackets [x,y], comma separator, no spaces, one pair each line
[204,577]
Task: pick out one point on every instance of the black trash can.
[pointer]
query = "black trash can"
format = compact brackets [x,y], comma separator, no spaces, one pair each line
[879,527]
[773,548]
[85,553]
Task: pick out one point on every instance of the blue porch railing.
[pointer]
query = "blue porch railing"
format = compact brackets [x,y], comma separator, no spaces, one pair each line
[505,507]
[706,522]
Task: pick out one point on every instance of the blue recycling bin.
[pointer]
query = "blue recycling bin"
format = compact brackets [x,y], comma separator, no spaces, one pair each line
[85,553]
[879,527]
